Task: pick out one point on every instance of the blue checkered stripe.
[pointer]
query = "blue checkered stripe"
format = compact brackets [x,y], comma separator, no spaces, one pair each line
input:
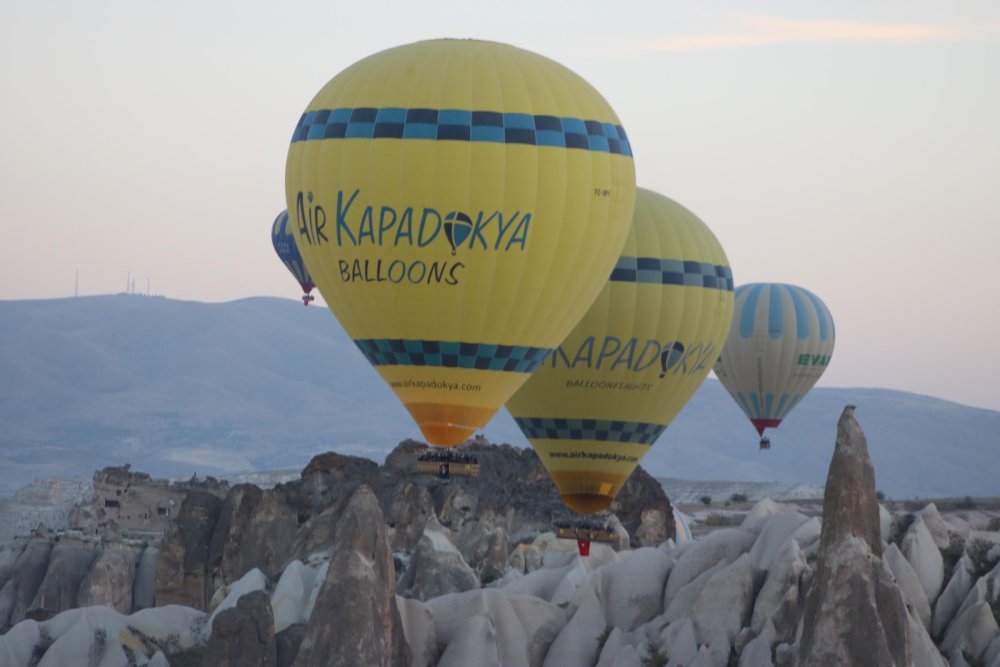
[462,125]
[590,429]
[672,272]
[452,354]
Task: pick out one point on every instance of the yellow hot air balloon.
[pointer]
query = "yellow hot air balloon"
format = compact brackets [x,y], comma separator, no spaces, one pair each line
[459,204]
[600,401]
[779,344]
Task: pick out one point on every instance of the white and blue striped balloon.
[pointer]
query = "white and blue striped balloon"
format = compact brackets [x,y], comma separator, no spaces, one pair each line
[780,342]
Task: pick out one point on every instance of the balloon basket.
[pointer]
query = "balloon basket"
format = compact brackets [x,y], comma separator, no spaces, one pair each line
[585,533]
[445,465]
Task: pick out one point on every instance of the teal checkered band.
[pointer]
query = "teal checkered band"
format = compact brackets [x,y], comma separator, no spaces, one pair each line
[590,429]
[672,272]
[462,125]
[452,354]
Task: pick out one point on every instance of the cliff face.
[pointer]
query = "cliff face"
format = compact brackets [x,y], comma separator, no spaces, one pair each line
[214,534]
[212,545]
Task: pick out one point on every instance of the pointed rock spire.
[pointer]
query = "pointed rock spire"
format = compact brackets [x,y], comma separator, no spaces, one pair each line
[854,612]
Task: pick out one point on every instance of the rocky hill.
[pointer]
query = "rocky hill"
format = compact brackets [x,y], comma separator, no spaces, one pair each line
[216,389]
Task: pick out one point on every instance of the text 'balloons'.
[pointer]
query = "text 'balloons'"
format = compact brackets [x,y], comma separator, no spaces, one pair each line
[459,204]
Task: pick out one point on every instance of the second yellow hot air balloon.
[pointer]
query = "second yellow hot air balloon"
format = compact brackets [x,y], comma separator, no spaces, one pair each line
[601,400]
[459,204]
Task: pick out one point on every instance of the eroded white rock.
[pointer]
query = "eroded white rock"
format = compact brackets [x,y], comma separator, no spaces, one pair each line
[418,628]
[951,598]
[778,600]
[679,641]
[631,590]
[760,514]
[292,594]
[724,603]
[723,545]
[936,526]
[909,583]
[774,534]
[452,610]
[254,580]
[475,643]
[971,632]
[542,621]
[757,653]
[920,549]
[577,643]
[922,649]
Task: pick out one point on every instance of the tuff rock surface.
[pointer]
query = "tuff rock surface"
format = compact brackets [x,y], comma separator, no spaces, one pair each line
[347,530]
[369,630]
[854,612]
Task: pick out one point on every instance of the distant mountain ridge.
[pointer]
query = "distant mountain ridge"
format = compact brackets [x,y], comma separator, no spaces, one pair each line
[180,387]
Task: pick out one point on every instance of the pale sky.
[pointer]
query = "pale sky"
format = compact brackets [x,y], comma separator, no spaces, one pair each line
[852,148]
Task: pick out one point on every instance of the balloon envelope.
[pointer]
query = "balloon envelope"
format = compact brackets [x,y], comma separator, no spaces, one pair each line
[780,342]
[284,244]
[601,400]
[459,204]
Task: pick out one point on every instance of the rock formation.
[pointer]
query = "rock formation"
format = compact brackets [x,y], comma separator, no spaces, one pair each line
[26,576]
[109,580]
[215,543]
[216,533]
[68,566]
[369,630]
[243,636]
[182,575]
[854,613]
[437,567]
[255,529]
